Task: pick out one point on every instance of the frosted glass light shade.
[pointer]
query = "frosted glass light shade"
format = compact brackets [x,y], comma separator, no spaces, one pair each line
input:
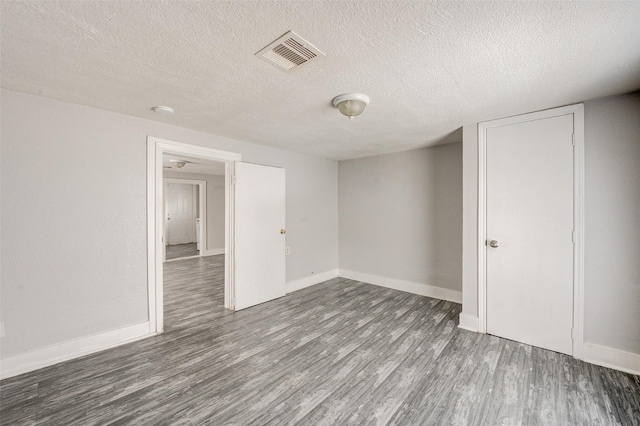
[163,110]
[351,104]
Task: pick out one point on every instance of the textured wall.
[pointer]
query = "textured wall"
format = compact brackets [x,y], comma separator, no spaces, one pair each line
[215,205]
[74,217]
[401,216]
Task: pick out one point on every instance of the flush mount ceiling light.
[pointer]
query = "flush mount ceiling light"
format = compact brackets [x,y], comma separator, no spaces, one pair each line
[163,110]
[179,163]
[351,104]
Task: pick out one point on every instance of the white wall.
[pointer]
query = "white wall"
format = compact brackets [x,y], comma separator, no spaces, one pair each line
[401,216]
[612,223]
[73,218]
[215,205]
[470,221]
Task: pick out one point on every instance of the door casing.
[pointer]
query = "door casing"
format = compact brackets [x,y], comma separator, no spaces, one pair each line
[156,147]
[578,211]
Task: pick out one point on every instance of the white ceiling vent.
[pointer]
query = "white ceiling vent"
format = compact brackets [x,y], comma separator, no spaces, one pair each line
[289,52]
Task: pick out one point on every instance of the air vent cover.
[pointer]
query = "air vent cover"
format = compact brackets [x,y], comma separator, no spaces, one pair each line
[289,52]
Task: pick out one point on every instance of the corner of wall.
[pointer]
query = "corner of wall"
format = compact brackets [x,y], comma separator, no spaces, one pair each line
[468,322]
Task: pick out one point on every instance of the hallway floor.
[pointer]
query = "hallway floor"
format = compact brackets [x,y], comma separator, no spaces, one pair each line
[179,251]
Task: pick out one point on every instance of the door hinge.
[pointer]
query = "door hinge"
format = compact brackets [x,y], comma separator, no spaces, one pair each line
[573,139]
[234,180]
[573,336]
[573,237]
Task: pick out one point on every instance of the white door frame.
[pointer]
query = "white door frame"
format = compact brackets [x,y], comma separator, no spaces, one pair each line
[202,212]
[578,215]
[156,147]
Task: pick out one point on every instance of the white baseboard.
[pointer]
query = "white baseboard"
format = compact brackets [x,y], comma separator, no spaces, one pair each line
[39,358]
[422,289]
[213,252]
[309,281]
[611,358]
[469,322]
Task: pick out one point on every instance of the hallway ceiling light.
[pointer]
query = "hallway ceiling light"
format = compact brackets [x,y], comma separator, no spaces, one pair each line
[179,163]
[163,110]
[351,104]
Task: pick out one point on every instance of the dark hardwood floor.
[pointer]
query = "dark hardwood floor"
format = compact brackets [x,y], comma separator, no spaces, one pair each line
[341,352]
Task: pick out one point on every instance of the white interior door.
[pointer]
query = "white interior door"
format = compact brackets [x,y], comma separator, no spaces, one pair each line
[259,234]
[529,215]
[180,213]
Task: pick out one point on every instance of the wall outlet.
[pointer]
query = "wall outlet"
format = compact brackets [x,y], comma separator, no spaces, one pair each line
[287,250]
[2,329]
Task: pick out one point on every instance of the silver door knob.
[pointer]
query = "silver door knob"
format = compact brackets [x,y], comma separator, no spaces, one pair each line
[493,243]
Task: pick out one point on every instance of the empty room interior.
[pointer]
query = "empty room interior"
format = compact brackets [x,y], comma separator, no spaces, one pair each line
[320,212]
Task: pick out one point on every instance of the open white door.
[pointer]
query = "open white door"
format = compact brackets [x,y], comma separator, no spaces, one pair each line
[259,234]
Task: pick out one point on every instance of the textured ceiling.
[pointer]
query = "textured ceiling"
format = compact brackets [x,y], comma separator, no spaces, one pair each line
[428,67]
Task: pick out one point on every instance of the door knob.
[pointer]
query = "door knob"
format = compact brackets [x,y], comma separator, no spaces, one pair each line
[493,243]
[283,231]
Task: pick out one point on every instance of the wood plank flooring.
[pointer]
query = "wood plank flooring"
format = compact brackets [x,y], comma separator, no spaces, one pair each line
[178,251]
[338,353]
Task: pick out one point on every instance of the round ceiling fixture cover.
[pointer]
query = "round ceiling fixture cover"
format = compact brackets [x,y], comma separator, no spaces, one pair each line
[163,109]
[351,104]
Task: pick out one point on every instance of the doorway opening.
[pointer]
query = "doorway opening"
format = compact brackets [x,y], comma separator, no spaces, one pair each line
[157,149]
[186,216]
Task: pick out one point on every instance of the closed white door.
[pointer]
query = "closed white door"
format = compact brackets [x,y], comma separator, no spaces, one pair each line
[529,225]
[180,214]
[259,234]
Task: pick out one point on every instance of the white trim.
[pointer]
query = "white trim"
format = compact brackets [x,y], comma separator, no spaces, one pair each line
[301,283]
[156,147]
[482,206]
[40,358]
[578,198]
[182,258]
[578,218]
[422,289]
[611,358]
[229,234]
[468,322]
[214,252]
[194,213]
[154,259]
